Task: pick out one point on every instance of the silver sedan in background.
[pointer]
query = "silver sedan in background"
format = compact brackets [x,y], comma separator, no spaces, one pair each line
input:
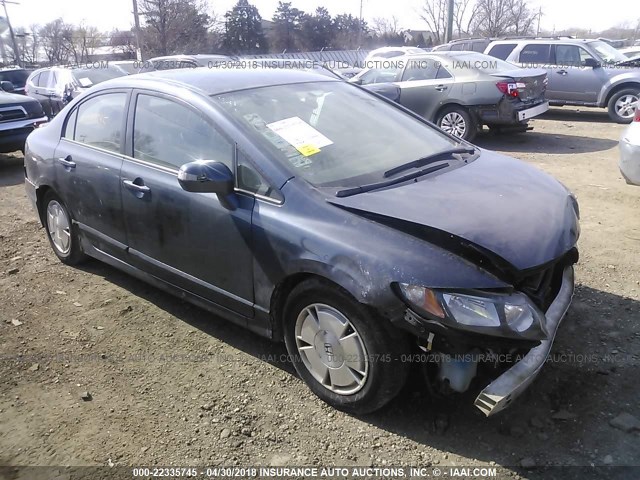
[461,91]
[630,151]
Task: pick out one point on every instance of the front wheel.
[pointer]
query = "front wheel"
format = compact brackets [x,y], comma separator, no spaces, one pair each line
[622,105]
[348,356]
[457,121]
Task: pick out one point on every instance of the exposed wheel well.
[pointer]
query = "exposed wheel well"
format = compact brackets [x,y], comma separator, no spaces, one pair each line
[281,294]
[617,88]
[446,106]
[40,193]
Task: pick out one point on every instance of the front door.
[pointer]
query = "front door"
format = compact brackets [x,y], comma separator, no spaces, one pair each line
[572,80]
[187,239]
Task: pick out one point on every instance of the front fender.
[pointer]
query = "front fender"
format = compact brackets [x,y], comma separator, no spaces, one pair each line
[308,235]
[630,79]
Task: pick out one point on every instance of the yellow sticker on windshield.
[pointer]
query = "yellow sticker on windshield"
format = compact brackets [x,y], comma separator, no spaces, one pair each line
[308,150]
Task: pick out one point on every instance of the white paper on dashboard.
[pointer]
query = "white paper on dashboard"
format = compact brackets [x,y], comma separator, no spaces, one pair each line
[299,133]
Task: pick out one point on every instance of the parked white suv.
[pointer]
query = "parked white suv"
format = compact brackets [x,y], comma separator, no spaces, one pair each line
[581,72]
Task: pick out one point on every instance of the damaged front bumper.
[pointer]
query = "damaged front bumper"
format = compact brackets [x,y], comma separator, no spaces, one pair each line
[499,393]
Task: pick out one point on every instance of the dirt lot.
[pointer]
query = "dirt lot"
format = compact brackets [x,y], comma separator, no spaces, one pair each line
[173,385]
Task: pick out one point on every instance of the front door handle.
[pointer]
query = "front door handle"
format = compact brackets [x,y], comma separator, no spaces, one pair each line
[67,162]
[134,187]
[561,72]
[441,88]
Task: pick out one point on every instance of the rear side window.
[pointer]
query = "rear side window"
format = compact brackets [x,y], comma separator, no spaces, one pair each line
[43,79]
[478,46]
[171,134]
[502,50]
[536,53]
[99,121]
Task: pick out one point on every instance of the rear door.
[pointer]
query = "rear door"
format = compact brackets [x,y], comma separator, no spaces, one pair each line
[88,159]
[425,85]
[187,239]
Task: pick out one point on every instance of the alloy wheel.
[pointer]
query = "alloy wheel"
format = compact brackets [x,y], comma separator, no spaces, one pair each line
[626,106]
[331,349]
[454,124]
[59,227]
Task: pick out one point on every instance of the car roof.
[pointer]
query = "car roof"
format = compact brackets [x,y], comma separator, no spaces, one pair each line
[190,57]
[545,40]
[215,81]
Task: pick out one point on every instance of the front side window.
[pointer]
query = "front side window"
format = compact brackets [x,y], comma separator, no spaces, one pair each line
[171,134]
[380,75]
[331,133]
[536,53]
[420,70]
[571,55]
[99,121]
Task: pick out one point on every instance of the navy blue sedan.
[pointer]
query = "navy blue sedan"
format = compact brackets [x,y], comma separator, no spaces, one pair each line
[317,213]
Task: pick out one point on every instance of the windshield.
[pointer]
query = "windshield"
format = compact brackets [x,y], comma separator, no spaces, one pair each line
[332,133]
[607,53]
[88,77]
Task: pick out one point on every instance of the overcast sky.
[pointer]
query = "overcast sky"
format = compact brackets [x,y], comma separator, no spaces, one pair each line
[108,14]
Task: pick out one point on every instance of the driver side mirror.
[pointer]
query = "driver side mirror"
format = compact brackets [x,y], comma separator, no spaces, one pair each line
[7,86]
[591,62]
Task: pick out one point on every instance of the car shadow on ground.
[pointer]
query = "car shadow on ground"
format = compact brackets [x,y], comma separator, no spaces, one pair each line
[542,142]
[582,386]
[11,170]
[576,114]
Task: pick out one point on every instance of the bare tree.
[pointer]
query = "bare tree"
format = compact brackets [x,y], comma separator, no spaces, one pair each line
[434,13]
[382,26]
[494,18]
[53,38]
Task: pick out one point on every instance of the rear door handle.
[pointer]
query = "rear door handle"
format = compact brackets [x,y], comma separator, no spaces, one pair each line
[561,72]
[134,187]
[441,88]
[67,162]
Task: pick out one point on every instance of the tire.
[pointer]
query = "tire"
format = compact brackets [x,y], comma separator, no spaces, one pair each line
[352,335]
[622,105]
[61,232]
[457,121]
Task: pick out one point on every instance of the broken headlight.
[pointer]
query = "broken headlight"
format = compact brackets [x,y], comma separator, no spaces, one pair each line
[506,315]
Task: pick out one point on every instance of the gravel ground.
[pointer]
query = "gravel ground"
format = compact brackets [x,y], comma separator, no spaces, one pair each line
[169,384]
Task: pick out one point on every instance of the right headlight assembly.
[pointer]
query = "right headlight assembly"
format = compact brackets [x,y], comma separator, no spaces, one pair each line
[507,315]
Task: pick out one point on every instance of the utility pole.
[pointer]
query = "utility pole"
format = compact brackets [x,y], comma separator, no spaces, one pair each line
[539,17]
[360,26]
[449,32]
[16,51]
[136,19]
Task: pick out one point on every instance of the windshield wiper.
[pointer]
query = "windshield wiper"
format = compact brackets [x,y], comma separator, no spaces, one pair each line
[374,186]
[436,157]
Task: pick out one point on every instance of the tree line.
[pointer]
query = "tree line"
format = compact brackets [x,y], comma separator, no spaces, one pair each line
[191,26]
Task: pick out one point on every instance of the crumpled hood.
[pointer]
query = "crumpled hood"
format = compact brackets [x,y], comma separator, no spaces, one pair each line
[500,204]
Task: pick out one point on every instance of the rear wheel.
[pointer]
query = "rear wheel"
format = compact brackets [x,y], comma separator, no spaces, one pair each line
[347,356]
[622,105]
[457,121]
[61,232]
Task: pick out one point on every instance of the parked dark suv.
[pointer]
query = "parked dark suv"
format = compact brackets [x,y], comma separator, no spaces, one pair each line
[17,76]
[19,116]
